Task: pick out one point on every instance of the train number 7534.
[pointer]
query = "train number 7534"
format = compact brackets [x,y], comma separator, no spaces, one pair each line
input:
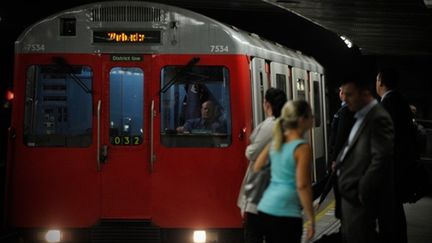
[218,48]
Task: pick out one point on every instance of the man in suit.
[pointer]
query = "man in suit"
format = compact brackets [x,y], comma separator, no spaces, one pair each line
[341,125]
[404,151]
[364,166]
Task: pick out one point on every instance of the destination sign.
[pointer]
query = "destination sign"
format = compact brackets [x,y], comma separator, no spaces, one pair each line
[109,36]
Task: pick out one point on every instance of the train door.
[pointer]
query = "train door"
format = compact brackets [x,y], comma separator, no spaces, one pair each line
[301,91]
[124,137]
[259,86]
[53,160]
[280,77]
[318,131]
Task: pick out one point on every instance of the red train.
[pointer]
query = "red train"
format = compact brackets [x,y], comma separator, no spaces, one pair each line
[100,90]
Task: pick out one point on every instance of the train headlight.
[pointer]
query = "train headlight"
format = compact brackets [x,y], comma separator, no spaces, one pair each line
[53,236]
[9,95]
[199,236]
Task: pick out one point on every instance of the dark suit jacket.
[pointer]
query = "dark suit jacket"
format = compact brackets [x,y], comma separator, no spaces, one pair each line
[366,169]
[341,125]
[402,117]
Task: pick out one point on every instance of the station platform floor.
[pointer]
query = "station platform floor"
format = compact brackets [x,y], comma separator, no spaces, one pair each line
[418,215]
[419,220]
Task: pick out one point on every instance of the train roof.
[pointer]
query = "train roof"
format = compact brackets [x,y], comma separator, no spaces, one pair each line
[181,32]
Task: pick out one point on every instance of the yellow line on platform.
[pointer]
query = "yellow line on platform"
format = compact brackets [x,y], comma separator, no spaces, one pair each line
[321,214]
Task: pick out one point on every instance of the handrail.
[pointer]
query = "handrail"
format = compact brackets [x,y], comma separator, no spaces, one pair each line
[98,166]
[152,155]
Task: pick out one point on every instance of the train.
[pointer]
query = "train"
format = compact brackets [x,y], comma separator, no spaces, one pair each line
[94,153]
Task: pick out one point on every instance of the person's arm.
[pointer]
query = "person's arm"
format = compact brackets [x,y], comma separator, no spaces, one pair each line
[262,159]
[343,129]
[180,129]
[303,158]
[187,127]
[381,150]
[260,140]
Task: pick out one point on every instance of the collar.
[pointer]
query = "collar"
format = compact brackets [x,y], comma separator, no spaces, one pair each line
[386,93]
[270,118]
[363,111]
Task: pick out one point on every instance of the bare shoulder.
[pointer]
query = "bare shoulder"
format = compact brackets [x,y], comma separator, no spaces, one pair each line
[303,149]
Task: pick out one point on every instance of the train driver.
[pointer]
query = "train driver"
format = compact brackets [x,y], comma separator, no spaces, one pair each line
[209,122]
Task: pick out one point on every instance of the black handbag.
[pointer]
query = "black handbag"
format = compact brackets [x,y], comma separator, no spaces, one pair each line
[256,184]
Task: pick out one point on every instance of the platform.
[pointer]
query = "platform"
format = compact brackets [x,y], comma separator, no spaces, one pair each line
[418,215]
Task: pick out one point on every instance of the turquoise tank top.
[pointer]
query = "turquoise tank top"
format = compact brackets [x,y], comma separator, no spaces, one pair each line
[281,198]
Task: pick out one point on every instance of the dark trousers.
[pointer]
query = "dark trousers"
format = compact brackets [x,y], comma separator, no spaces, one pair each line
[281,229]
[392,224]
[401,224]
[358,223]
[252,229]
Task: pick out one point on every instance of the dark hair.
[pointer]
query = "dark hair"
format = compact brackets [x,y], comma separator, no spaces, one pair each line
[389,77]
[277,98]
[361,80]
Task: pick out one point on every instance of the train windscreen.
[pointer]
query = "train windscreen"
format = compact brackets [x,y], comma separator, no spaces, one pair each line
[58,106]
[195,108]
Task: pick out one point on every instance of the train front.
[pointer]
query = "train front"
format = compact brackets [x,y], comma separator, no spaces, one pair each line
[109,140]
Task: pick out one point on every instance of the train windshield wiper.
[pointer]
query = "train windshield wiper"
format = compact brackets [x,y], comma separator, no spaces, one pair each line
[179,73]
[68,69]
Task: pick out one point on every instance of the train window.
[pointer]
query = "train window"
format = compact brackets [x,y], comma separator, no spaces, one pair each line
[301,93]
[195,110]
[281,82]
[126,106]
[317,105]
[58,106]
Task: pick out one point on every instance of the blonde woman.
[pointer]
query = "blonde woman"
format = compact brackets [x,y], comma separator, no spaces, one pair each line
[290,187]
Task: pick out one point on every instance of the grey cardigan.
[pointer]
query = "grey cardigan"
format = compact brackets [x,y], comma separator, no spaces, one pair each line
[259,138]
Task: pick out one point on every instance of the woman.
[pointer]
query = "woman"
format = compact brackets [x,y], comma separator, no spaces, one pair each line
[290,187]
